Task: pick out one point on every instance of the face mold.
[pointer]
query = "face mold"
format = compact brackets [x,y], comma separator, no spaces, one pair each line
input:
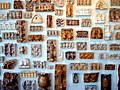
[44,81]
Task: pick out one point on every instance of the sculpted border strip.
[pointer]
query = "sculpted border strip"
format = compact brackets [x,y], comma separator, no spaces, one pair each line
[5,5]
[44,7]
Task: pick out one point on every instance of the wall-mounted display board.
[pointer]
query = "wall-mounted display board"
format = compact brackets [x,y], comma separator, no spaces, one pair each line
[59,44]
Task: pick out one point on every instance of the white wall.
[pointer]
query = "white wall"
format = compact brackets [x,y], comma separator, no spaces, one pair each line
[70,85]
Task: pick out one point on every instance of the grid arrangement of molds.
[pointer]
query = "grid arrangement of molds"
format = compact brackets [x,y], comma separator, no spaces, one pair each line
[72,44]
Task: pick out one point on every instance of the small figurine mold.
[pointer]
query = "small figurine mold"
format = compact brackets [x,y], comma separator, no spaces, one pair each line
[49,21]
[114,15]
[60,77]
[91,77]
[75,77]
[21,27]
[117,27]
[3,16]
[24,63]
[29,7]
[100,17]
[10,49]
[117,36]
[83,12]
[52,50]
[70,1]
[69,10]
[101,4]
[39,64]
[36,50]
[97,33]
[9,64]
[23,49]
[86,22]
[70,55]
[28,15]
[60,22]
[59,3]
[29,85]
[106,82]
[10,81]
[109,32]
[81,45]
[18,4]
[67,34]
